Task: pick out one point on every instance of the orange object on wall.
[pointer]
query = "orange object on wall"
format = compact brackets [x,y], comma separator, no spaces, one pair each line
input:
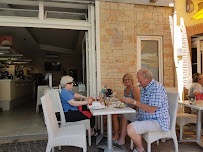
[6,40]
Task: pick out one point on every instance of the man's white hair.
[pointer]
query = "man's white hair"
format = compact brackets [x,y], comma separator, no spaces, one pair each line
[147,74]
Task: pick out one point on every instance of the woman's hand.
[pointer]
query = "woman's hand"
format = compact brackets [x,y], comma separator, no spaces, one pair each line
[89,100]
[128,100]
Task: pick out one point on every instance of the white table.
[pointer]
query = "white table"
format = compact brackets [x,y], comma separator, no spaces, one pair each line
[109,111]
[199,107]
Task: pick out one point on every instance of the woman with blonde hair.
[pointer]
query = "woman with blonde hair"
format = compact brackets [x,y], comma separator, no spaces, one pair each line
[133,92]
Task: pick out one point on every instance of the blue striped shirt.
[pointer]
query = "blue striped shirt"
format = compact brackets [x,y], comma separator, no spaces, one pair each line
[154,94]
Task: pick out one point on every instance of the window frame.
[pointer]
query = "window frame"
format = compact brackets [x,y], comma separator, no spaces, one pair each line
[160,53]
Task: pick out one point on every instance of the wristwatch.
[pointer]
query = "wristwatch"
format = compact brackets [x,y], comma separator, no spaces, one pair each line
[134,102]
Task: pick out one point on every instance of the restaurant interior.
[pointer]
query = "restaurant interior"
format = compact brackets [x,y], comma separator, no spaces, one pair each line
[27,56]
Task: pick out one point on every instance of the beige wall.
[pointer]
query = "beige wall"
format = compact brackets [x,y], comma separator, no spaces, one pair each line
[181,12]
[67,63]
[120,24]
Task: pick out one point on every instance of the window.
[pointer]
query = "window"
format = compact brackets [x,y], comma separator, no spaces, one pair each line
[149,55]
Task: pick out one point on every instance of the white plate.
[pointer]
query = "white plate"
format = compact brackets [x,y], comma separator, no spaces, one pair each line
[98,107]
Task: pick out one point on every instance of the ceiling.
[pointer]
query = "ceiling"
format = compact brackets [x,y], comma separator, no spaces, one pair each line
[35,41]
[44,41]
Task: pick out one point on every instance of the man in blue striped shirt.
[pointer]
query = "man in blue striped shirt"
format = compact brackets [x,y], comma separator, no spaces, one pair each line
[153,109]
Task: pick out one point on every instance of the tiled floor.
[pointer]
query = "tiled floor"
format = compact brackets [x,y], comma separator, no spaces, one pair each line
[40,146]
[22,120]
[22,130]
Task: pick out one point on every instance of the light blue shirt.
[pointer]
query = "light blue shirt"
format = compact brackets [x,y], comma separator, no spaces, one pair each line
[154,94]
[65,96]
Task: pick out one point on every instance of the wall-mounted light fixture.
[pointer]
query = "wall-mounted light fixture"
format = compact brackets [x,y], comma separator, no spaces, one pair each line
[189,6]
[153,1]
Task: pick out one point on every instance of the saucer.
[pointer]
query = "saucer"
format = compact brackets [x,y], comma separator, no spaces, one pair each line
[97,107]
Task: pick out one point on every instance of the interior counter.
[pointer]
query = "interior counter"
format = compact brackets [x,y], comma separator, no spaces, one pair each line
[12,90]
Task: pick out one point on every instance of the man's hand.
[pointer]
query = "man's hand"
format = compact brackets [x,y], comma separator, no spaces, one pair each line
[128,100]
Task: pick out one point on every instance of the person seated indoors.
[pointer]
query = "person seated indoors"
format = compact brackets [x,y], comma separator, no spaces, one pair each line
[196,86]
[131,91]
[70,105]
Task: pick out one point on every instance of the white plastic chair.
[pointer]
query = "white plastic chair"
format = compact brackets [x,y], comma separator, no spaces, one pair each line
[40,93]
[152,136]
[53,98]
[182,118]
[85,122]
[66,136]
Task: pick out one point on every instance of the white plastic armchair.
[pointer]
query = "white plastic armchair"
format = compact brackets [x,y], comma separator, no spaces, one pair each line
[40,93]
[85,122]
[152,136]
[182,117]
[66,136]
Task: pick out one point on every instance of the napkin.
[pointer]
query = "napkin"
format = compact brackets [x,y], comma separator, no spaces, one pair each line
[86,113]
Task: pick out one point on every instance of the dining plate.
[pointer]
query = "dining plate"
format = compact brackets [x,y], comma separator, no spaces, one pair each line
[98,107]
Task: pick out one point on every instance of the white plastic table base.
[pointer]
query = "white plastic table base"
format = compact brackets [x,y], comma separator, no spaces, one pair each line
[109,111]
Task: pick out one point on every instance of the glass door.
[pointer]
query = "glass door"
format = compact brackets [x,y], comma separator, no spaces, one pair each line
[149,55]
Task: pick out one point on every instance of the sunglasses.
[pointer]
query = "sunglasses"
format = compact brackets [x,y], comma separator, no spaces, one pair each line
[69,83]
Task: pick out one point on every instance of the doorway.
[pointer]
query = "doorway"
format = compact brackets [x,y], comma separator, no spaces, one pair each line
[56,16]
[197,53]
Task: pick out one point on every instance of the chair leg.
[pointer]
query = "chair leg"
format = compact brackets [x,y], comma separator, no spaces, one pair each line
[181,132]
[59,147]
[175,143]
[148,147]
[131,144]
[52,149]
[49,147]
[89,137]
[157,142]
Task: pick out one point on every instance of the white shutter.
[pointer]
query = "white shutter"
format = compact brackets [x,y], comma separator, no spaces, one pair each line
[187,66]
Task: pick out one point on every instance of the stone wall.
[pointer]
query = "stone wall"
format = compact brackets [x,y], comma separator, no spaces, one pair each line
[120,24]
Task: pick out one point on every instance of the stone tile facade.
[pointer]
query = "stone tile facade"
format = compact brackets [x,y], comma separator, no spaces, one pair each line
[120,24]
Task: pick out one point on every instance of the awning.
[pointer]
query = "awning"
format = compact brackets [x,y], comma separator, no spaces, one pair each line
[199,14]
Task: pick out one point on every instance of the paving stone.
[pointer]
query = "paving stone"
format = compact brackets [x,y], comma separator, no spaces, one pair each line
[40,146]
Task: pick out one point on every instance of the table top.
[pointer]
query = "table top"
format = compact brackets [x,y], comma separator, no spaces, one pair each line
[196,104]
[111,110]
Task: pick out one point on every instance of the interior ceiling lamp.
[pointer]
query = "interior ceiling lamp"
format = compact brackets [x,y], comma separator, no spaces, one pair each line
[6,40]
[199,14]
[9,61]
[3,51]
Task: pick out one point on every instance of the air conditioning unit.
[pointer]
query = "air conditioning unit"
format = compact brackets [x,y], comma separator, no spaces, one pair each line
[6,40]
